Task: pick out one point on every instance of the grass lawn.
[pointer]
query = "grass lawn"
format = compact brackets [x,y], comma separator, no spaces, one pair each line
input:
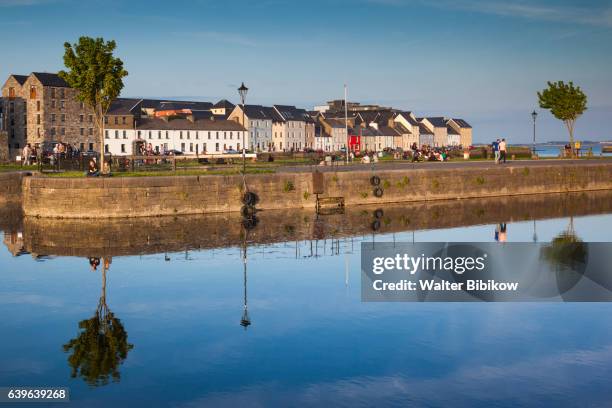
[191,172]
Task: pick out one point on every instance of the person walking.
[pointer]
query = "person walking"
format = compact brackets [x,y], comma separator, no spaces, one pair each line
[495,148]
[502,150]
[26,153]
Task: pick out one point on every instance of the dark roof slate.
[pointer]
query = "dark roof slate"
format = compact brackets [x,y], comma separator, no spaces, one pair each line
[50,79]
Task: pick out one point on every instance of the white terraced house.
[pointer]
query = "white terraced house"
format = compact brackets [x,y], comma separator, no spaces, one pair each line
[190,135]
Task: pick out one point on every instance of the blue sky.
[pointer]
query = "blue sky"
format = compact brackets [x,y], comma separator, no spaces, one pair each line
[480,60]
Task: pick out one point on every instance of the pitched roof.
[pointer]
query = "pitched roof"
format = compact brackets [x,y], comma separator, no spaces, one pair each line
[20,78]
[407,115]
[451,130]
[424,130]
[224,103]
[258,112]
[437,121]
[50,79]
[462,123]
[289,113]
[177,105]
[186,124]
[123,106]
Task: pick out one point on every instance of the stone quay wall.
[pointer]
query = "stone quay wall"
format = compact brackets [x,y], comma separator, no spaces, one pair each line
[180,195]
[11,187]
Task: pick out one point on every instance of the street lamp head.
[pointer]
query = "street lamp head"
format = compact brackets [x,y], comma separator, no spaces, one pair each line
[243,92]
[534,115]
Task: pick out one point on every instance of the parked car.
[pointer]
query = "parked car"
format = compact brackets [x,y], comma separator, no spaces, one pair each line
[173,152]
[231,151]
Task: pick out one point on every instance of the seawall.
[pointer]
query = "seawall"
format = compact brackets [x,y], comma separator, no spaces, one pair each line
[10,187]
[136,236]
[183,195]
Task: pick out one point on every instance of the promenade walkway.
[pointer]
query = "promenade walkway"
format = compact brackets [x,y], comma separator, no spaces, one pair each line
[457,164]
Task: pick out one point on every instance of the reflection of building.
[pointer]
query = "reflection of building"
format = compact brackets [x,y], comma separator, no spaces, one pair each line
[14,243]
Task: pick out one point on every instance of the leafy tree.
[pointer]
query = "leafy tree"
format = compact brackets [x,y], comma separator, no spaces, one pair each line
[100,347]
[97,75]
[566,102]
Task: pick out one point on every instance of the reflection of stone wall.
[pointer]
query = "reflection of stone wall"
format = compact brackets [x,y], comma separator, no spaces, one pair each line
[154,196]
[133,236]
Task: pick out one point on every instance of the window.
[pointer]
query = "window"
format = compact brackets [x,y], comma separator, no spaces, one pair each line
[82,146]
[216,147]
[81,118]
[116,134]
[182,147]
[116,120]
[204,148]
[150,135]
[187,134]
[82,105]
[122,148]
[105,148]
[231,135]
[105,120]
[91,146]
[37,131]
[38,119]
[197,134]
[90,131]
[62,131]
[123,120]
[82,132]
[139,134]
[167,135]
[238,146]
[11,92]
[53,95]
[224,135]
[90,118]
[181,134]
[106,134]
[62,104]
[62,93]
[38,106]
[53,117]
[53,103]
[191,147]
[208,135]
[125,134]
[63,118]
[217,135]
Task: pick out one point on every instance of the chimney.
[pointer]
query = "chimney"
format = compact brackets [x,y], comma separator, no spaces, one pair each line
[374,125]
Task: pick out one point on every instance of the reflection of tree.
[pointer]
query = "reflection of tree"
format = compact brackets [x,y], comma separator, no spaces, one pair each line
[566,249]
[101,345]
[567,254]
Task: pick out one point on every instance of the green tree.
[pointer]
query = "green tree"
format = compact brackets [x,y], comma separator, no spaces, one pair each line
[97,75]
[101,345]
[566,102]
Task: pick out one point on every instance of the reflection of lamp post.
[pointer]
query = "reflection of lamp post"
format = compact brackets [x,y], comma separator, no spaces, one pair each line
[535,235]
[534,115]
[243,93]
[245,321]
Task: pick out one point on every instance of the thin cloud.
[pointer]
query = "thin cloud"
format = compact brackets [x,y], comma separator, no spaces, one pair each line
[224,37]
[601,17]
[17,3]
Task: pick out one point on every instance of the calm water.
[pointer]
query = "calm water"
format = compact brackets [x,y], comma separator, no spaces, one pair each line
[311,341]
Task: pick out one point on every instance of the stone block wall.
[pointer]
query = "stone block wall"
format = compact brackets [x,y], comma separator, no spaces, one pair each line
[4,147]
[156,196]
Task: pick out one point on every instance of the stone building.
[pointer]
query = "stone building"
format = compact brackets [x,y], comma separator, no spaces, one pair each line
[41,107]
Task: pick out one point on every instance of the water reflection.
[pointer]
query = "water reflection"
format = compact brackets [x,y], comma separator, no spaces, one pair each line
[64,237]
[101,345]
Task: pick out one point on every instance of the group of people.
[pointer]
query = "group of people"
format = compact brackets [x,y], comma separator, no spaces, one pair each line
[500,150]
[427,153]
[32,154]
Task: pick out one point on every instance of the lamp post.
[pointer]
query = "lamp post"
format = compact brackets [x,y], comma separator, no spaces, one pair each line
[534,115]
[242,91]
